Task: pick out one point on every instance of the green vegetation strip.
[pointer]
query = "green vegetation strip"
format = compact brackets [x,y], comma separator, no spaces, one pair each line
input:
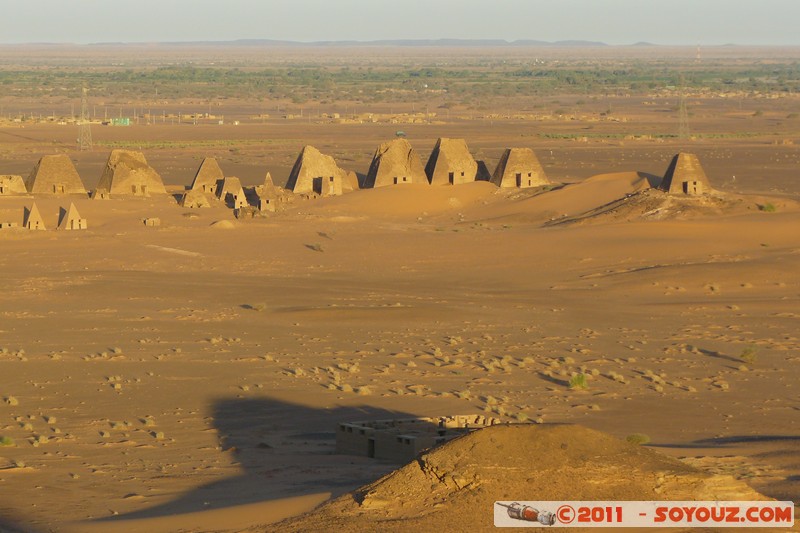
[204,143]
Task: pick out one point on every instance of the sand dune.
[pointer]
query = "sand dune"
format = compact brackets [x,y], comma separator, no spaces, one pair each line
[407,201]
[565,201]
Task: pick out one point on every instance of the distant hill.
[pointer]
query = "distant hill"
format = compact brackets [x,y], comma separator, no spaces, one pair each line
[458,43]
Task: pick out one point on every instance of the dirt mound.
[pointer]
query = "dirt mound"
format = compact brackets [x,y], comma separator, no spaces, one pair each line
[453,487]
[223,224]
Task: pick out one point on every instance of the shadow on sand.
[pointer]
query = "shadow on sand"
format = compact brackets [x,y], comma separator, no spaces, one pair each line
[283,450]
[652,179]
[10,525]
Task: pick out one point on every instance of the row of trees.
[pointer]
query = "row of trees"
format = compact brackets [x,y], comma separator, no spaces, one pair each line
[302,83]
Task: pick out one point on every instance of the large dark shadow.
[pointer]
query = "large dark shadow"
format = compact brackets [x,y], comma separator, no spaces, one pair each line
[653,179]
[284,450]
[733,440]
[11,525]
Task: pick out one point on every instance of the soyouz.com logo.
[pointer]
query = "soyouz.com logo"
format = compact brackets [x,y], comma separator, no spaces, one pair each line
[643,514]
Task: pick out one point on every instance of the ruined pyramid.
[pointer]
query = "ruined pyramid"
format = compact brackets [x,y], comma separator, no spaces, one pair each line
[194,199]
[315,172]
[12,185]
[395,162]
[128,174]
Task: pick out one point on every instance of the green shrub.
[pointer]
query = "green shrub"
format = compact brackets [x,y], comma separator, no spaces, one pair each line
[749,355]
[638,438]
[578,381]
[767,207]
[6,441]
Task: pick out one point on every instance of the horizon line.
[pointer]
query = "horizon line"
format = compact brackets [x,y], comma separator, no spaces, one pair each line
[422,42]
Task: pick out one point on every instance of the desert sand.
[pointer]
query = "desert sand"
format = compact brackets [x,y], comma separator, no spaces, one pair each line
[190,376]
[194,372]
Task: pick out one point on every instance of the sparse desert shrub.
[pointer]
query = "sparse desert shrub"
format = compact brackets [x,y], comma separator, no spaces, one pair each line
[317,247]
[6,441]
[578,381]
[749,355]
[767,207]
[638,438]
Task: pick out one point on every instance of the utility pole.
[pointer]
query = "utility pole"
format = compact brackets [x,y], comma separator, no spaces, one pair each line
[85,129]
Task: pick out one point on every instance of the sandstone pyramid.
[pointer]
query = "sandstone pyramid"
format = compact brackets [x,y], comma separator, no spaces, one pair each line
[685,175]
[450,162]
[70,219]
[520,168]
[236,198]
[55,174]
[33,219]
[394,163]
[266,189]
[12,185]
[227,187]
[128,174]
[194,199]
[314,172]
[454,487]
[207,177]
[350,182]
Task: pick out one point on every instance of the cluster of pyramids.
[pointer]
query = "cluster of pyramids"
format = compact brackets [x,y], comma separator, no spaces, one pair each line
[126,174]
[451,162]
[211,182]
[68,219]
[314,174]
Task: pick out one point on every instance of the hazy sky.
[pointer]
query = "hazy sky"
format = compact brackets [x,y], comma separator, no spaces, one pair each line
[611,21]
